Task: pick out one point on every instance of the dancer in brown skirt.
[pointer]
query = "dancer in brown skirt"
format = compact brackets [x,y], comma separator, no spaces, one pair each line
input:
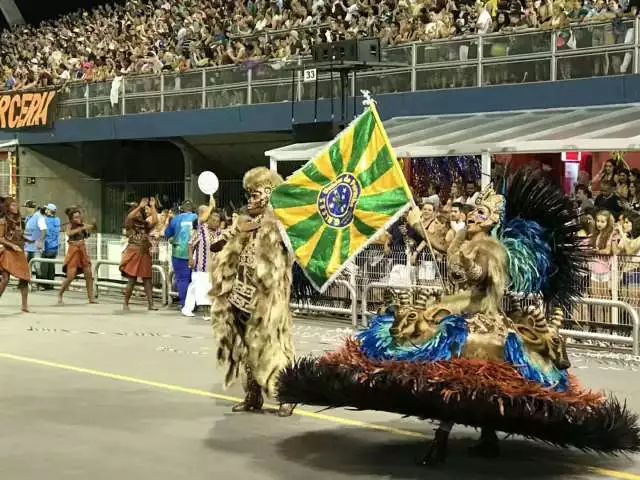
[77,258]
[13,260]
[136,259]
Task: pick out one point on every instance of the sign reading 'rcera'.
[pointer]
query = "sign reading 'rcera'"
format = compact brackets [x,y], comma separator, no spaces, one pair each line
[33,109]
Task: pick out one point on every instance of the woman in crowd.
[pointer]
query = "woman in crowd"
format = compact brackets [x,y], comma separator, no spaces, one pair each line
[77,258]
[205,234]
[633,200]
[607,174]
[628,247]
[13,260]
[457,193]
[164,218]
[622,183]
[136,259]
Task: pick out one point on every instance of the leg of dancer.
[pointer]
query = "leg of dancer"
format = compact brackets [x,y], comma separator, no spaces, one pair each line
[71,275]
[128,291]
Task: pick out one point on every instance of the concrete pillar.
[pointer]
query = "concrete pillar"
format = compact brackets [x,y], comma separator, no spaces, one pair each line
[192,167]
[485,176]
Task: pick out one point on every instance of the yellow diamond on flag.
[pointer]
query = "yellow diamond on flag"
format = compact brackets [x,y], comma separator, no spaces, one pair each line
[336,204]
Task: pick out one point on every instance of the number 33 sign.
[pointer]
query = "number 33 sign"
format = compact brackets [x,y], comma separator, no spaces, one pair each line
[309,75]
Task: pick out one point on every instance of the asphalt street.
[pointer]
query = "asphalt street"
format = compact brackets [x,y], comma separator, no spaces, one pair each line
[89,392]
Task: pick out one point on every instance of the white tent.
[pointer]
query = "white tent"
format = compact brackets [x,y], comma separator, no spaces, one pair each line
[608,128]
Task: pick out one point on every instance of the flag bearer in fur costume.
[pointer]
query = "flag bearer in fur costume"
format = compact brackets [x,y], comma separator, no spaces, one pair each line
[251,280]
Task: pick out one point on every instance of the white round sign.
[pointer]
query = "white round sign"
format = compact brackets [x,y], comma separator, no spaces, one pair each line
[208,183]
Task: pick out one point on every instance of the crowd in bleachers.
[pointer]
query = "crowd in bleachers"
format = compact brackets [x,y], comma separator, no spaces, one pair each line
[140,36]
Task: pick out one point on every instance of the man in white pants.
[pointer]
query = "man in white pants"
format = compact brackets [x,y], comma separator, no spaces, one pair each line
[200,256]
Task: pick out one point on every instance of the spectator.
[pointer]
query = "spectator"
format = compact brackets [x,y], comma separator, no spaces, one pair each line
[633,201]
[607,174]
[608,200]
[458,220]
[179,232]
[622,183]
[30,208]
[157,35]
[472,191]
[457,195]
[629,246]
[35,231]
[603,246]
[583,197]
[51,243]
[587,225]
[433,196]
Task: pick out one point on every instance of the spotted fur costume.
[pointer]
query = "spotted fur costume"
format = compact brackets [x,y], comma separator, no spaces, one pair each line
[265,347]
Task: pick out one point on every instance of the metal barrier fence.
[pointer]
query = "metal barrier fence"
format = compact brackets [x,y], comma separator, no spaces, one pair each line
[593,50]
[99,282]
[608,313]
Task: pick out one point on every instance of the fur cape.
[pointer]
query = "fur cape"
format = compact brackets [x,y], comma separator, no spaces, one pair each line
[267,345]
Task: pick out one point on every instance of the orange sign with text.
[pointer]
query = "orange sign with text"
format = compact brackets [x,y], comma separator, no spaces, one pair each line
[22,110]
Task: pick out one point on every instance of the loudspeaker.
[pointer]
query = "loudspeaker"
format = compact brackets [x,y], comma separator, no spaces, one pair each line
[369,50]
[364,50]
[316,131]
[336,51]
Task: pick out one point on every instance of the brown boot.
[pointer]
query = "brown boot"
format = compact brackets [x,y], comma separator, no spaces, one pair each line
[286,409]
[437,453]
[488,446]
[253,399]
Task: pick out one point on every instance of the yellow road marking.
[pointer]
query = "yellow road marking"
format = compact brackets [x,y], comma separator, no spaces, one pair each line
[302,413]
[204,393]
[613,473]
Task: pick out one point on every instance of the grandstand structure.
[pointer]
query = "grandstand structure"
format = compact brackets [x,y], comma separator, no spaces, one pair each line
[431,66]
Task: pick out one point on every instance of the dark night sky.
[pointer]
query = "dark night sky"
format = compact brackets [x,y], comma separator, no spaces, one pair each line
[34,11]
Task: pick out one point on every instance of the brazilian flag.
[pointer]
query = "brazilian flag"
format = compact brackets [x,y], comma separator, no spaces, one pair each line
[336,204]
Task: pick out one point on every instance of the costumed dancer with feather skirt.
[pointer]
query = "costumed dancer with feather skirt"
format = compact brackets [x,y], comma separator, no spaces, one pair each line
[252,277]
[465,358]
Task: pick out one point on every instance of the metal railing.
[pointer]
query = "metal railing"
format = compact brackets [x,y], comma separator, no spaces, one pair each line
[580,51]
[163,290]
[609,313]
[104,283]
[43,281]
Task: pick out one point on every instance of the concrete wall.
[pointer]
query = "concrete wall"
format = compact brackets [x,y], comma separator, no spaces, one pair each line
[57,183]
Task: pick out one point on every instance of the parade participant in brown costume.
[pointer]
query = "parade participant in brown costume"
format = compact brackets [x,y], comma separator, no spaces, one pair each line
[13,260]
[136,259]
[77,258]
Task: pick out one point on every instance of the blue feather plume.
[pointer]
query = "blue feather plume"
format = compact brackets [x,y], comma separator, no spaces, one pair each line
[516,355]
[529,255]
[450,338]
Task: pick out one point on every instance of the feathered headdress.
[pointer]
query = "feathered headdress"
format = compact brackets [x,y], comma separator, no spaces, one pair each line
[539,232]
